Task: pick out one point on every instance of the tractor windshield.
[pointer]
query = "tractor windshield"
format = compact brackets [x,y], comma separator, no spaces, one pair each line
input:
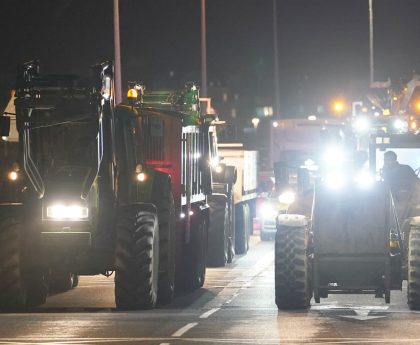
[64,146]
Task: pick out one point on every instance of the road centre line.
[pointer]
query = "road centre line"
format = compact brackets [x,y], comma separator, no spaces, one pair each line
[208,313]
[184,329]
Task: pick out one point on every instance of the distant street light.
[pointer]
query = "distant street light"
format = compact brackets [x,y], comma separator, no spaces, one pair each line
[276,63]
[203,50]
[117,53]
[371,61]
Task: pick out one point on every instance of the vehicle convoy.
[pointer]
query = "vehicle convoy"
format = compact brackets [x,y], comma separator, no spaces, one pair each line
[361,238]
[104,189]
[244,194]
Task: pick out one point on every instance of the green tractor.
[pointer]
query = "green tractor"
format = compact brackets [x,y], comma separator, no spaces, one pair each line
[102,189]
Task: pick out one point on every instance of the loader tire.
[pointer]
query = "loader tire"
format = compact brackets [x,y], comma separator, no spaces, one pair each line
[242,228]
[136,258]
[218,247]
[166,216]
[292,269]
[413,289]
[19,288]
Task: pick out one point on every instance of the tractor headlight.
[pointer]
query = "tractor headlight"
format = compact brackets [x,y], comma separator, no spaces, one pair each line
[364,180]
[335,180]
[67,212]
[268,210]
[287,198]
[13,175]
[362,124]
[334,156]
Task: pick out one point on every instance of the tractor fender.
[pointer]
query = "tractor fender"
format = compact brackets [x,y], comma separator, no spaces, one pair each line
[291,220]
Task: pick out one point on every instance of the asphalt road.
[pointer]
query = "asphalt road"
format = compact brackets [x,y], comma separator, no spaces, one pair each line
[236,306]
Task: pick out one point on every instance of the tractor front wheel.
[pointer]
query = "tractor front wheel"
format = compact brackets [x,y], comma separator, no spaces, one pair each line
[137,258]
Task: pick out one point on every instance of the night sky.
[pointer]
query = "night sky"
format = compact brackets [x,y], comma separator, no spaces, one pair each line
[323,44]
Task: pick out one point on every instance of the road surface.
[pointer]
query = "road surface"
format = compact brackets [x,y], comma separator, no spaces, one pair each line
[236,306]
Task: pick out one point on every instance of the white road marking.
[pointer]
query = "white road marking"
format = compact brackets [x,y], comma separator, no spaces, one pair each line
[362,315]
[184,329]
[271,341]
[208,313]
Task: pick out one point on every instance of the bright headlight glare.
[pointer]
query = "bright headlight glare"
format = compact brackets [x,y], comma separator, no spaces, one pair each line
[268,210]
[364,179]
[400,124]
[335,180]
[334,156]
[214,162]
[287,198]
[67,212]
[362,124]
[218,169]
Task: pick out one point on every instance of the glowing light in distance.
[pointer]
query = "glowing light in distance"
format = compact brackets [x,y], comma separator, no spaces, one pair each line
[361,124]
[141,177]
[13,175]
[335,180]
[287,198]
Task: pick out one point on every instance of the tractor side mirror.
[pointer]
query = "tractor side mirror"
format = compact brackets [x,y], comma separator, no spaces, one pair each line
[4,126]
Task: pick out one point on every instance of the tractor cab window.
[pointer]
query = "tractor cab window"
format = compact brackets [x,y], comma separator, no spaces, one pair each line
[72,143]
[406,156]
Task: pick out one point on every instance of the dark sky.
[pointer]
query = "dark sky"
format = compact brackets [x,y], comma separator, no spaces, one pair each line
[323,44]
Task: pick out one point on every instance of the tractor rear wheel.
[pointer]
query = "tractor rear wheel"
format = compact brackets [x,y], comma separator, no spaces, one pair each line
[413,290]
[19,286]
[218,248]
[292,268]
[137,258]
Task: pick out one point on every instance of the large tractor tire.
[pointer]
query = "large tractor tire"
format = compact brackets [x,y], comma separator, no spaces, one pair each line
[218,247]
[19,287]
[242,228]
[137,258]
[413,289]
[61,281]
[292,268]
[164,202]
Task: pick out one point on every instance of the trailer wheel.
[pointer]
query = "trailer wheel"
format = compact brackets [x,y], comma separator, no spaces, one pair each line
[218,230]
[292,268]
[242,228]
[193,270]
[15,279]
[231,232]
[137,259]
[166,216]
[413,290]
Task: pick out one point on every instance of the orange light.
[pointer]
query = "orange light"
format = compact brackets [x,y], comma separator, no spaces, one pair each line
[338,106]
[418,106]
[132,93]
